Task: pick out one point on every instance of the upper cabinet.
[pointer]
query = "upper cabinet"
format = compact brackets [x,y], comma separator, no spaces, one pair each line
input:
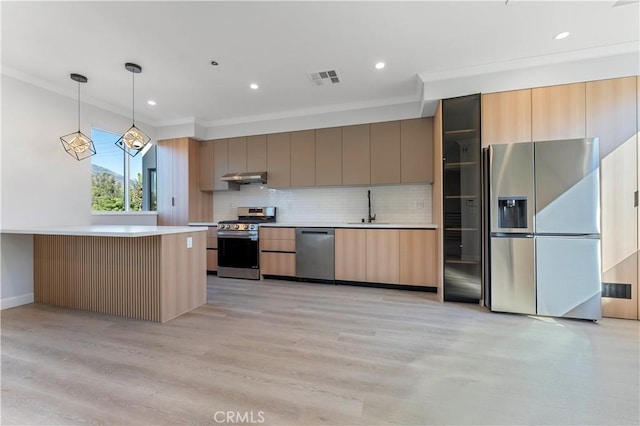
[385,152]
[355,155]
[611,112]
[279,160]
[237,155]
[416,150]
[558,112]
[220,164]
[206,166]
[329,156]
[303,158]
[391,152]
[506,117]
[257,153]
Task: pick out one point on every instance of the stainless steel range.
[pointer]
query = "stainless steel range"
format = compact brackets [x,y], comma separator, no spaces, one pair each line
[238,246]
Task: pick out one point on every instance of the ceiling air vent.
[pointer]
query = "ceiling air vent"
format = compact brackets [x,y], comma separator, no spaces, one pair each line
[324,78]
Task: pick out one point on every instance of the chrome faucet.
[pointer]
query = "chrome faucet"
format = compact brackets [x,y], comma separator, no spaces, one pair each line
[369,217]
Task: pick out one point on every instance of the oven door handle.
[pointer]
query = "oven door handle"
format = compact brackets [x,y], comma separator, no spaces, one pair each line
[238,235]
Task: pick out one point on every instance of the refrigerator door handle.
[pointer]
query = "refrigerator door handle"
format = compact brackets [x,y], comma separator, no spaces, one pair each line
[635,199]
[510,235]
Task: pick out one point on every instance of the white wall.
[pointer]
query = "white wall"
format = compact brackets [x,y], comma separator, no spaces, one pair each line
[41,185]
[390,203]
[133,218]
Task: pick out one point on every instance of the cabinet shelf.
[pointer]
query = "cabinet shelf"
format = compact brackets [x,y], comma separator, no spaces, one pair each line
[461,132]
[462,229]
[455,166]
[450,197]
[464,261]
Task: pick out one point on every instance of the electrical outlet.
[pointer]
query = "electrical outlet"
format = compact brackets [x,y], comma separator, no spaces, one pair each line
[189,242]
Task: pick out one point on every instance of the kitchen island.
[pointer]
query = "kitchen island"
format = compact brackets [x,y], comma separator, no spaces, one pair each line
[152,273]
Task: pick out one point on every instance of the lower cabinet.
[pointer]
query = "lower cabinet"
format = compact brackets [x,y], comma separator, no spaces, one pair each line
[278,251]
[212,249]
[388,256]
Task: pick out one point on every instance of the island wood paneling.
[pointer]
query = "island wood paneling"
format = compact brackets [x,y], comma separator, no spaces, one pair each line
[183,285]
[153,278]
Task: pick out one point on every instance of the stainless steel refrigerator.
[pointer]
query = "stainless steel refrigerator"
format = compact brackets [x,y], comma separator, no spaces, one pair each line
[544,215]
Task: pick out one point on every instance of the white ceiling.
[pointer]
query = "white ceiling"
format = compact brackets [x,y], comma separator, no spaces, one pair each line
[275,44]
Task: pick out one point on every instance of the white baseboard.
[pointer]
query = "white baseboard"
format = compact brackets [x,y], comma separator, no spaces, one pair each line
[12,302]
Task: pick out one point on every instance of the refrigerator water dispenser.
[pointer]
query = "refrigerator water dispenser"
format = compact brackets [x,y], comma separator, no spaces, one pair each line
[512,212]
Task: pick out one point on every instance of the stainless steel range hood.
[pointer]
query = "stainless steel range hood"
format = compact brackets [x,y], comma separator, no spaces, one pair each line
[245,177]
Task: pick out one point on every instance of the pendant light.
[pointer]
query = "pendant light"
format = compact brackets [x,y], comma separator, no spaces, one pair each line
[77,144]
[134,139]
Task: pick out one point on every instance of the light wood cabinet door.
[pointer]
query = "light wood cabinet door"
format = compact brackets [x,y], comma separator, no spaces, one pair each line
[180,199]
[279,160]
[611,112]
[165,182]
[282,264]
[237,155]
[220,163]
[303,158]
[273,233]
[257,153]
[212,260]
[416,150]
[351,254]
[383,256]
[385,152]
[418,257]
[199,204]
[506,117]
[558,112]
[329,156]
[355,155]
[206,166]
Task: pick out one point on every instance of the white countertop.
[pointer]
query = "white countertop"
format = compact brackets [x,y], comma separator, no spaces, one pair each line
[106,230]
[352,225]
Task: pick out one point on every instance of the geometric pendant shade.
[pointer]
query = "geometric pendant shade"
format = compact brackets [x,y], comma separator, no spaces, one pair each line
[77,144]
[133,140]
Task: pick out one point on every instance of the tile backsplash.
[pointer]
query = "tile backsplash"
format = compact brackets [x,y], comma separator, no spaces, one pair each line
[390,203]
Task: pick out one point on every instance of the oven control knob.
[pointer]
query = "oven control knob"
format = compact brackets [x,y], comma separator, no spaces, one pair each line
[253,227]
[237,227]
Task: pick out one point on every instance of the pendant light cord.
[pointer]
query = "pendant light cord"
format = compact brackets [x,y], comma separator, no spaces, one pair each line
[133,98]
[78,107]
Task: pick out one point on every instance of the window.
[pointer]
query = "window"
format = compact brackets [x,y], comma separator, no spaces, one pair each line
[117,179]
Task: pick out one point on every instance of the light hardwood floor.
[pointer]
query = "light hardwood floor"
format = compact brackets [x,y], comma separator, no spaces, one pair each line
[317,354]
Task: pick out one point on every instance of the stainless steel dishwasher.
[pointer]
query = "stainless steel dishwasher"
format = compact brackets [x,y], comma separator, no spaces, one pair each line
[315,259]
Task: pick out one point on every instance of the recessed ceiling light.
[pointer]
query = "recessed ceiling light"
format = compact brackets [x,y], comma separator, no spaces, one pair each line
[562,35]
[214,63]
[152,103]
[254,86]
[379,65]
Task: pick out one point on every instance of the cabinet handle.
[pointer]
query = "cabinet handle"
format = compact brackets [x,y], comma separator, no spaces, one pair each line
[173,201]
[635,199]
